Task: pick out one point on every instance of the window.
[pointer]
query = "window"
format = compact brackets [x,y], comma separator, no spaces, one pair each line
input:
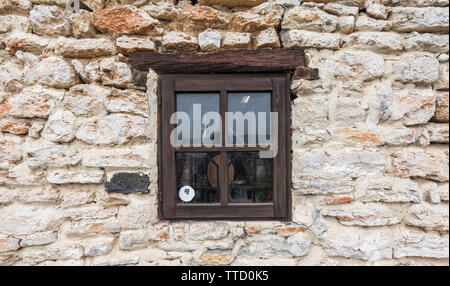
[223,150]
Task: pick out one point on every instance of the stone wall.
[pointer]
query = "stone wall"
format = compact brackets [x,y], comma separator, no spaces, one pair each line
[370,137]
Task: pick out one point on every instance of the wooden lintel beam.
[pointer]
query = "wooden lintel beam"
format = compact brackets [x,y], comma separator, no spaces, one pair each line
[233,61]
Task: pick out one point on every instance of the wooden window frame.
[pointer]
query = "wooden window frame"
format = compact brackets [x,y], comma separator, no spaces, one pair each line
[168,86]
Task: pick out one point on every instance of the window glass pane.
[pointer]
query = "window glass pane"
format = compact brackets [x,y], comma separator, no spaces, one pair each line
[249,104]
[205,102]
[200,171]
[252,180]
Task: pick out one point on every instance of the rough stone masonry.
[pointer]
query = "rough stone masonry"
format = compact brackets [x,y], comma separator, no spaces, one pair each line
[369,138]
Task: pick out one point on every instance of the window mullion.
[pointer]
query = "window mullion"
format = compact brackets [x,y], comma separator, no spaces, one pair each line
[223,154]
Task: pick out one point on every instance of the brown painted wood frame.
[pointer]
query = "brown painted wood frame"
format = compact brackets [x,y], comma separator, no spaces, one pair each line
[169,85]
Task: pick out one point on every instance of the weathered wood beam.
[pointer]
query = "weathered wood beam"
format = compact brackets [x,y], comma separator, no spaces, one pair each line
[233,61]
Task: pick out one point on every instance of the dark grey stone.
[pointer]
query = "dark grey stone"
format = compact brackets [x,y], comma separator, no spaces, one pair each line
[128,183]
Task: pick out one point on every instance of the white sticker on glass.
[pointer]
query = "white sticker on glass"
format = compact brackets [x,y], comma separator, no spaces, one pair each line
[186,194]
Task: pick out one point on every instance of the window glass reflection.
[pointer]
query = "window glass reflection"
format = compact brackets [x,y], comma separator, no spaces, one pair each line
[250,104]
